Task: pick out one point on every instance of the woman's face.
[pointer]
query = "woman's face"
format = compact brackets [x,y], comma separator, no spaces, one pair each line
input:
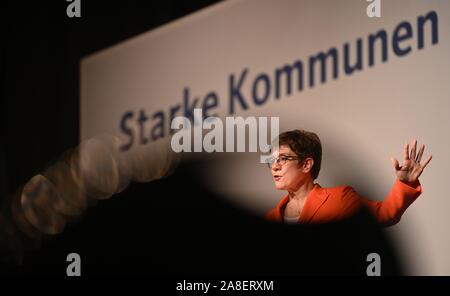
[290,175]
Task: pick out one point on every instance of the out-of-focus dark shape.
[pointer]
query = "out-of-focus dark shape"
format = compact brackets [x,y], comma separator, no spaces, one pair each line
[152,161]
[38,200]
[72,198]
[96,168]
[12,239]
[93,171]
[21,221]
[124,175]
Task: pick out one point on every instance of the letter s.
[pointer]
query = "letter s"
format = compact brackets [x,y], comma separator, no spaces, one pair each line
[126,130]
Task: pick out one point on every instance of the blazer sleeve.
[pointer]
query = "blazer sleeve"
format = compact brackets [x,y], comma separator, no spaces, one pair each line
[389,211]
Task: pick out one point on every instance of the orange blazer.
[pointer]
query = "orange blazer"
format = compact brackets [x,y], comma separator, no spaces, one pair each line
[324,205]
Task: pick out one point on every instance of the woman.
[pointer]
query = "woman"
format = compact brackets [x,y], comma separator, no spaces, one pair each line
[295,166]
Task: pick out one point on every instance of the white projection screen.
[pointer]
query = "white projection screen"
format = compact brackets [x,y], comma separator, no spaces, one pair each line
[365,85]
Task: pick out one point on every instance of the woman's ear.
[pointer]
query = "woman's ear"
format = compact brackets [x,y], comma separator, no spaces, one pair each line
[307,165]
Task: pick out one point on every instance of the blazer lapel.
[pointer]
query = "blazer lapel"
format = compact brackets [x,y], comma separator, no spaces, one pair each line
[280,208]
[316,198]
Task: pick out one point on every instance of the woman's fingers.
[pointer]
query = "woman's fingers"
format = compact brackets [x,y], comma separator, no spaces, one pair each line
[413,149]
[395,163]
[427,161]
[420,153]
[406,152]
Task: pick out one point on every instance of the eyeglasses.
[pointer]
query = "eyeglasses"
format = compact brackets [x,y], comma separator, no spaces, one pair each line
[281,160]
